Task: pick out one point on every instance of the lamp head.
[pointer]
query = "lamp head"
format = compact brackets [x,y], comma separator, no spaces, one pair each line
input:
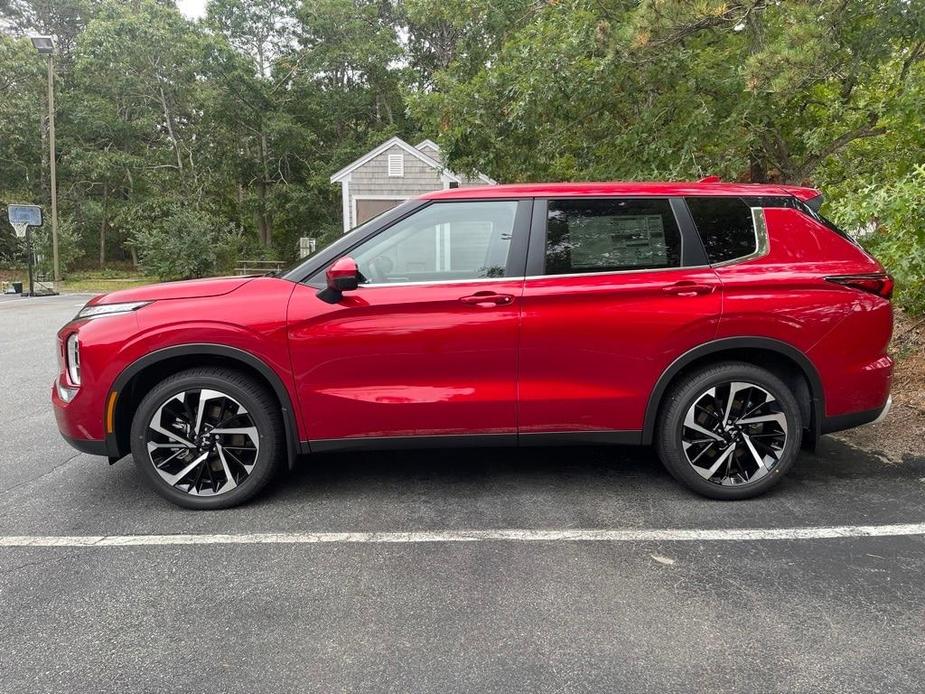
[44,44]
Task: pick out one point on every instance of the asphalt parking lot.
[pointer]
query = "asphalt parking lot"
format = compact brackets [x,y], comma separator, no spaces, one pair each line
[336,605]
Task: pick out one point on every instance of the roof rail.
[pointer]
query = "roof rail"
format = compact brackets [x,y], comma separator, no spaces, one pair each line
[709,179]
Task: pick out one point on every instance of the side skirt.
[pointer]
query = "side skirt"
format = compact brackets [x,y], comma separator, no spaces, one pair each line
[386,443]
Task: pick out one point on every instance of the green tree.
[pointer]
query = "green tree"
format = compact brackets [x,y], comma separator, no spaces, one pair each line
[750,90]
[21,98]
[131,110]
[248,86]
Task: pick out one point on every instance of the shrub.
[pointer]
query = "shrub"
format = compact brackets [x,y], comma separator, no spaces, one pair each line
[893,218]
[69,246]
[175,241]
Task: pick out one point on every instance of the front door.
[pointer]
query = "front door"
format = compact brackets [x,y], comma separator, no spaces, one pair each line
[618,288]
[427,346]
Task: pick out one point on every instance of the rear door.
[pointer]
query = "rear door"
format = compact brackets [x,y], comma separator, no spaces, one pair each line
[616,289]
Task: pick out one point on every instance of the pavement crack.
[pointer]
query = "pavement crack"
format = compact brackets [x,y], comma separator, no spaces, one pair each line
[37,562]
[40,477]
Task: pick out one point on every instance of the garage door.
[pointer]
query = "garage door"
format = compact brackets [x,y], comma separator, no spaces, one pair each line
[367,209]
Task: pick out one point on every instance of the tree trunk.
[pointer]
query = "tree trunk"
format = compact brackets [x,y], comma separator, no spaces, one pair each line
[263,224]
[131,189]
[757,171]
[170,131]
[105,225]
[261,219]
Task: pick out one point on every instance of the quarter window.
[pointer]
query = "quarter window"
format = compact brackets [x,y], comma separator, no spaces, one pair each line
[726,225]
[609,235]
[444,241]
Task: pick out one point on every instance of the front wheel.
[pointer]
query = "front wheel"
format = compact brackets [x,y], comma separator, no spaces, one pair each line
[207,438]
[730,431]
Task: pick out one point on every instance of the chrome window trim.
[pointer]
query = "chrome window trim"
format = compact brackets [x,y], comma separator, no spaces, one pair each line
[762,243]
[534,277]
[437,283]
[619,272]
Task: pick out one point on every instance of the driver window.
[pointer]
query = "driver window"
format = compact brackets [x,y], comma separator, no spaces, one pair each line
[445,241]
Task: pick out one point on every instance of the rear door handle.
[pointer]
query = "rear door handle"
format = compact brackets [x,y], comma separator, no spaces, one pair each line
[688,289]
[487,299]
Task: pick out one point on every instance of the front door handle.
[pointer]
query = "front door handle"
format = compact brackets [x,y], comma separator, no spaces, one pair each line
[486,299]
[688,289]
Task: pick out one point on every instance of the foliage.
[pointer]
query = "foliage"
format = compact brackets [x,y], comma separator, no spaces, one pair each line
[69,250]
[231,126]
[828,93]
[176,241]
[893,216]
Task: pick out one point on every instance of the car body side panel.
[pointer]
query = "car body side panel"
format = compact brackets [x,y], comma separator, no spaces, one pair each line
[251,319]
[412,360]
[784,296]
[852,358]
[593,346]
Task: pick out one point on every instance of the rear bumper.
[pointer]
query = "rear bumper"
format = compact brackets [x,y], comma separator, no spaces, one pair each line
[856,419]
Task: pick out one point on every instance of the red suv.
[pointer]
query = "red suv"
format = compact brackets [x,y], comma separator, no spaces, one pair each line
[725,324]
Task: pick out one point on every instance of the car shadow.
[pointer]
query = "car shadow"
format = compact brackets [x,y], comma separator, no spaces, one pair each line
[541,487]
[610,465]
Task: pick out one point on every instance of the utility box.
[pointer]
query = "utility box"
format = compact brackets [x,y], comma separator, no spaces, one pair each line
[307,245]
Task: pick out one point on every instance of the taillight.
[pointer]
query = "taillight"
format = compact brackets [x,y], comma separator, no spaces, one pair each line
[878,283]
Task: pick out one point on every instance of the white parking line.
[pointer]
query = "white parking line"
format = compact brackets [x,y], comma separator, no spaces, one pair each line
[420,536]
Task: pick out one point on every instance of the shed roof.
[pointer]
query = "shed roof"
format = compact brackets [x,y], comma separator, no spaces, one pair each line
[414,152]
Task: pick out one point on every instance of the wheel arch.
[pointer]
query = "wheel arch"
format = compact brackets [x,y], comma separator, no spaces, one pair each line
[760,351]
[156,365]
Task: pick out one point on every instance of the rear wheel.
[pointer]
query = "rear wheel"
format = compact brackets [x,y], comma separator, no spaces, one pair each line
[207,438]
[730,431]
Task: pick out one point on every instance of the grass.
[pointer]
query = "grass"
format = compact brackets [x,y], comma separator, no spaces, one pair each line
[100,286]
[90,281]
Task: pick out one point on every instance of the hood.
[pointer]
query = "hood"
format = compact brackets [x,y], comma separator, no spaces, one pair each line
[188,289]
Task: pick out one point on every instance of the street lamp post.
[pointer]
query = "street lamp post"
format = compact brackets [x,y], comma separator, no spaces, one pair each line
[46,46]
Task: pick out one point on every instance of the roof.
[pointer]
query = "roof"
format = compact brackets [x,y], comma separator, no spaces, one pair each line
[388,144]
[624,188]
[414,152]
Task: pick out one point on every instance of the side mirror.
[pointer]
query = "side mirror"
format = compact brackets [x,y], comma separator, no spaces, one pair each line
[343,275]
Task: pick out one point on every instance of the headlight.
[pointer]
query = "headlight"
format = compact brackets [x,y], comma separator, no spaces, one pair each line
[100,310]
[72,359]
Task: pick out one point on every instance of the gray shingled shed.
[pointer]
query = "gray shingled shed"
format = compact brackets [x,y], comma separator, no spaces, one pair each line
[390,174]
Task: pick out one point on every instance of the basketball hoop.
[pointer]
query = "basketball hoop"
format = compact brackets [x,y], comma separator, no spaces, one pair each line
[22,218]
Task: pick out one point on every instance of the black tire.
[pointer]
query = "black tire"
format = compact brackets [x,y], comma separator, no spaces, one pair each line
[262,409]
[692,389]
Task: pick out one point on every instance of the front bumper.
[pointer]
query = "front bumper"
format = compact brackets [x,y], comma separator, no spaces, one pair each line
[74,422]
[89,446]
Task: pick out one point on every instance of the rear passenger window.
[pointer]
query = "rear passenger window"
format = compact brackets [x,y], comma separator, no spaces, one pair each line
[607,235]
[726,226]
